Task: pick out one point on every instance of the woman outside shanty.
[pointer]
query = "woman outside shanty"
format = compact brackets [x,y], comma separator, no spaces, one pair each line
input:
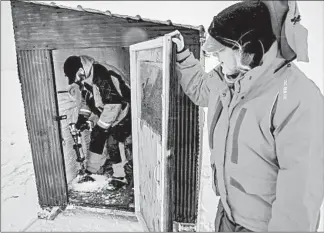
[265,121]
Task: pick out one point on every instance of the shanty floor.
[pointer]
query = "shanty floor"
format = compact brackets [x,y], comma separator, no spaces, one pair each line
[77,219]
[121,199]
[99,193]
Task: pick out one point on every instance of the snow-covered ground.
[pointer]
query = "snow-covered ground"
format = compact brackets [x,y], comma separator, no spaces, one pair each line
[208,201]
[19,203]
[83,220]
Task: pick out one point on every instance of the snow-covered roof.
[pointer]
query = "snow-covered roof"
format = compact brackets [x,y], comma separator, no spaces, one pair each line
[110,14]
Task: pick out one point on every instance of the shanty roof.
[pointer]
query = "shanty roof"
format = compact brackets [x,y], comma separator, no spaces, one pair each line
[110,14]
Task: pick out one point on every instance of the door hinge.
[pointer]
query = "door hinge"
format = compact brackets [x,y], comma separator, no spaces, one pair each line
[59,118]
[184,227]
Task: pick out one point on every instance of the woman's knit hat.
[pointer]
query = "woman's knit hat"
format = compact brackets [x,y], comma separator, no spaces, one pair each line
[247,23]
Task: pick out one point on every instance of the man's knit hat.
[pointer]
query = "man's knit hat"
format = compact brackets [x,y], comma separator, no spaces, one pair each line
[247,23]
[71,66]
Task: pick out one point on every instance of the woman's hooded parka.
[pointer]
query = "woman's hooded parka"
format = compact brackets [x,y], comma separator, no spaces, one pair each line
[266,141]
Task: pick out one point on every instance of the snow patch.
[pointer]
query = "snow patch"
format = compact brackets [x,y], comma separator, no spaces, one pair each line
[101,182]
[19,200]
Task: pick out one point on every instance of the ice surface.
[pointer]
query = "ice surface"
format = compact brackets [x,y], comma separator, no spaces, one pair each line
[87,220]
[19,202]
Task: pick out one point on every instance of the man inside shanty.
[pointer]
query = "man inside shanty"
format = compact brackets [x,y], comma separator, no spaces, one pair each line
[105,94]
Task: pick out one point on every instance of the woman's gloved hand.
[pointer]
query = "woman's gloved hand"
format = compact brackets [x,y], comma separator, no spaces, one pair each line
[177,38]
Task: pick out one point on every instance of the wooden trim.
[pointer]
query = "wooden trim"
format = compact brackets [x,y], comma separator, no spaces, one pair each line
[167,52]
[200,166]
[121,213]
[133,74]
[142,221]
[201,138]
[150,44]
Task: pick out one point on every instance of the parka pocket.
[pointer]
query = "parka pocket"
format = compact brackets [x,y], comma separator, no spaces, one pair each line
[218,112]
[215,183]
[234,156]
[264,189]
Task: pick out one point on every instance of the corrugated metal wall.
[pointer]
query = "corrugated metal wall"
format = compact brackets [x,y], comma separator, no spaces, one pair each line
[184,120]
[38,91]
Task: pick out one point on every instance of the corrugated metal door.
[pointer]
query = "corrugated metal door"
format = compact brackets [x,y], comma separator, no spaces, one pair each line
[186,143]
[38,91]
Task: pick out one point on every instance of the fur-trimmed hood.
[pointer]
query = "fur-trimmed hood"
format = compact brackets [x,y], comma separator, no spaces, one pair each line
[87,63]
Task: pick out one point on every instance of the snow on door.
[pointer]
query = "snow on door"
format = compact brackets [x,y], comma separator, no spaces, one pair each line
[150,73]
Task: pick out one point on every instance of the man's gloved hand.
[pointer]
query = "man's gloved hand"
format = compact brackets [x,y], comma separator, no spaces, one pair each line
[81,123]
[90,125]
[178,40]
[87,126]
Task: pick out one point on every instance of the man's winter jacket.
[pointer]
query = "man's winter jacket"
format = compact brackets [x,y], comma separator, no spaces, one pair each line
[104,93]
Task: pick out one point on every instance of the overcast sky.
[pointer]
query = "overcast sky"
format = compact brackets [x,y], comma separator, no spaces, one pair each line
[185,12]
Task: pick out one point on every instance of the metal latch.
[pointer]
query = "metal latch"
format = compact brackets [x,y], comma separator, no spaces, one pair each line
[184,227]
[59,118]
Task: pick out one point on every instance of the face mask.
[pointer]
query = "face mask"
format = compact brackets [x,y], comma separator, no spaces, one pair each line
[80,77]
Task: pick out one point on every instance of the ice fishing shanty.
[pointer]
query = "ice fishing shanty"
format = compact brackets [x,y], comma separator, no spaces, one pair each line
[45,34]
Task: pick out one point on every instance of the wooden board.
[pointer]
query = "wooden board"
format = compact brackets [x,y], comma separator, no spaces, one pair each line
[151,98]
[49,27]
[150,71]
[121,199]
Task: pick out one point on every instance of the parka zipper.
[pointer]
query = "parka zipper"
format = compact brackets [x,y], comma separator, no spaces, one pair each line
[234,98]
[224,176]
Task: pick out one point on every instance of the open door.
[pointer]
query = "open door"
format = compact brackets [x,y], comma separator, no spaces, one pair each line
[150,79]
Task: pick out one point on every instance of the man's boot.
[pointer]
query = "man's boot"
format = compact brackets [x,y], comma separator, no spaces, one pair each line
[127,180]
[128,168]
[106,169]
[117,182]
[86,177]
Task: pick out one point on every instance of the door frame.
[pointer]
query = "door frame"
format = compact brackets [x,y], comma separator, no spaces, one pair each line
[166,44]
